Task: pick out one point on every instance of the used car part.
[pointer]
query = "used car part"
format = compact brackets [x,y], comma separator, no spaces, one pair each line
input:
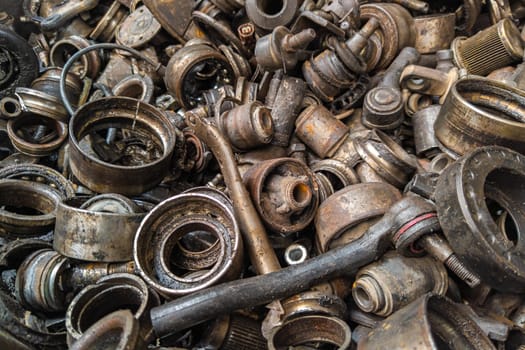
[166,234]
[136,172]
[100,228]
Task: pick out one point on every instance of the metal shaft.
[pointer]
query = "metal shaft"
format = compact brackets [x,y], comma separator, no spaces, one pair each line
[262,255]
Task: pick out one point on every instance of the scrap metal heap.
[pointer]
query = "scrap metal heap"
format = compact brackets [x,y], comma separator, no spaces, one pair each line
[262,174]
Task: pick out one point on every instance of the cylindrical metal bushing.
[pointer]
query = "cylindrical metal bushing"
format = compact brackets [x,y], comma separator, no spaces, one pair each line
[479,112]
[393,281]
[497,46]
[319,130]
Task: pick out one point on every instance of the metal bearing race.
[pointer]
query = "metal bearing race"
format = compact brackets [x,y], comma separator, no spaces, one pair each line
[90,64]
[97,229]
[464,193]
[186,65]
[135,86]
[333,175]
[105,29]
[118,331]
[396,30]
[311,329]
[111,293]
[480,112]
[38,284]
[386,157]
[26,194]
[41,174]
[350,207]
[313,303]
[55,134]
[268,14]
[159,238]
[120,112]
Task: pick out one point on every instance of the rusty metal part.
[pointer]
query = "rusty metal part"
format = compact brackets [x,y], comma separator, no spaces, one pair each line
[138,29]
[79,275]
[470,204]
[383,105]
[181,267]
[97,229]
[332,175]
[90,64]
[394,281]
[352,97]
[396,31]
[319,130]
[261,253]
[195,68]
[240,65]
[135,86]
[45,279]
[493,48]
[313,329]
[424,135]
[295,253]
[313,302]
[285,193]
[19,64]
[39,173]
[148,56]
[10,107]
[119,330]
[223,299]
[61,13]
[268,14]
[38,285]
[440,162]
[281,49]
[434,32]
[28,326]
[428,81]
[247,126]
[116,292]
[480,112]
[106,27]
[349,207]
[36,135]
[233,332]
[173,15]
[332,71]
[431,322]
[144,124]
[386,157]
[49,83]
[285,105]
[420,235]
[40,104]
[219,31]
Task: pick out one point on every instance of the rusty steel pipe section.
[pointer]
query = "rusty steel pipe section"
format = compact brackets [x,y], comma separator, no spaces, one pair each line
[223,299]
[260,250]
